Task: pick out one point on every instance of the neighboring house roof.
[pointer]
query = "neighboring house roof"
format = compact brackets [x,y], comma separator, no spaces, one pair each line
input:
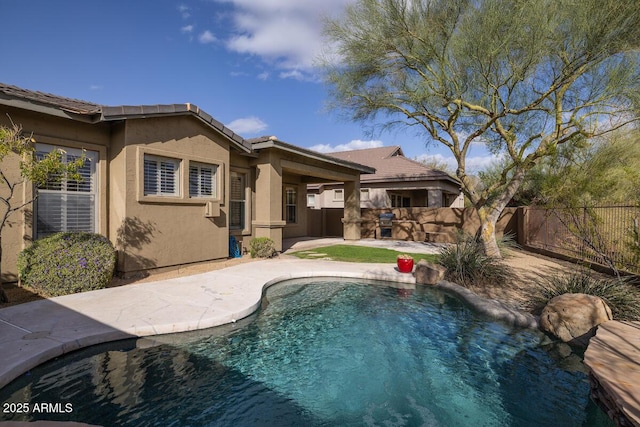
[264,142]
[90,112]
[391,165]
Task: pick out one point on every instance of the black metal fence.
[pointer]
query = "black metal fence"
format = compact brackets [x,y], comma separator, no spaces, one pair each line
[607,235]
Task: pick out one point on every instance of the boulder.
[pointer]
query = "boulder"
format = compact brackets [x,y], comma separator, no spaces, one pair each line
[429,273]
[573,318]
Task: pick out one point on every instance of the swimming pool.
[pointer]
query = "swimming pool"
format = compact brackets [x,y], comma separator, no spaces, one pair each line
[324,353]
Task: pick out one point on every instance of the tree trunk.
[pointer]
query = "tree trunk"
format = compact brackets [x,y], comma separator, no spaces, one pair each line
[490,213]
[487,236]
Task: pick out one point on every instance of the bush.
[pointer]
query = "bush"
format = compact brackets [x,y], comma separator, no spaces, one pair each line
[621,295]
[262,247]
[67,263]
[468,266]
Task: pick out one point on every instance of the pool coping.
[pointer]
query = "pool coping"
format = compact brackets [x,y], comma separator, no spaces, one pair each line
[35,332]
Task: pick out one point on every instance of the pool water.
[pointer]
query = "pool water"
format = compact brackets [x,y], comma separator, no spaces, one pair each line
[325,354]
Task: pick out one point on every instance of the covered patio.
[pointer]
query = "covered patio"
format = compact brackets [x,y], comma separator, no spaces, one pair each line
[282,174]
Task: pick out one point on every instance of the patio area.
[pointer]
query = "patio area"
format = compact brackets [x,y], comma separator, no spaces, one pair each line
[35,332]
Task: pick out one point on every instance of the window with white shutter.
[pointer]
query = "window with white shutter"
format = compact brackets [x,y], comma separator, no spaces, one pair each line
[203,181]
[161,176]
[67,205]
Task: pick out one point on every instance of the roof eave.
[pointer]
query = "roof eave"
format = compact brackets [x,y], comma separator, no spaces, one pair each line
[125,112]
[275,143]
[23,104]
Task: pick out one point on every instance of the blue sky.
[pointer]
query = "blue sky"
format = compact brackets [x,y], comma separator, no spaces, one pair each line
[248,63]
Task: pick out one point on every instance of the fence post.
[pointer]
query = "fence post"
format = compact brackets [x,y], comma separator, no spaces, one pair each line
[523,226]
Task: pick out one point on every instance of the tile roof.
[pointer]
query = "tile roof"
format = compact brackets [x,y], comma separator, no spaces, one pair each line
[66,104]
[96,112]
[391,165]
[273,142]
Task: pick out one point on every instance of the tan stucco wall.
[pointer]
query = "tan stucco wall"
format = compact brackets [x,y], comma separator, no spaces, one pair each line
[276,169]
[54,131]
[158,232]
[155,232]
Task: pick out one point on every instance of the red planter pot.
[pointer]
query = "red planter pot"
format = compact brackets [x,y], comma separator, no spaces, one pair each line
[405,265]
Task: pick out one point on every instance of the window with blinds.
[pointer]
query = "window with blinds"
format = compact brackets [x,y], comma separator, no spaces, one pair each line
[161,176]
[203,180]
[64,204]
[237,201]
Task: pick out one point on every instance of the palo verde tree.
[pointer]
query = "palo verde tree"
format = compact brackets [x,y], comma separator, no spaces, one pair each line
[20,165]
[523,77]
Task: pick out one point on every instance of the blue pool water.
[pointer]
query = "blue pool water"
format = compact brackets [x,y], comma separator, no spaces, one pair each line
[325,354]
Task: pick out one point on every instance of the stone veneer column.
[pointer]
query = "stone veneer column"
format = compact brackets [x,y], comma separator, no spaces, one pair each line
[352,221]
[268,221]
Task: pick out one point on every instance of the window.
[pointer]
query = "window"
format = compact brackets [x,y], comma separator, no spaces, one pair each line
[291,205]
[203,180]
[398,201]
[161,176]
[364,194]
[63,204]
[311,200]
[237,202]
[338,195]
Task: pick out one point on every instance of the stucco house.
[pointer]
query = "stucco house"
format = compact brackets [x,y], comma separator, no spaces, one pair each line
[167,184]
[398,182]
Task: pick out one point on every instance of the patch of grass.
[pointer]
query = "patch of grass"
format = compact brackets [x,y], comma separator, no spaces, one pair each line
[622,296]
[352,253]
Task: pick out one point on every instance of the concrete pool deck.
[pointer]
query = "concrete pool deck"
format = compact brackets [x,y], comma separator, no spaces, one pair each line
[35,332]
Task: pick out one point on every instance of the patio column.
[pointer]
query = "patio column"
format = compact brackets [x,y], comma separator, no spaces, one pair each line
[352,222]
[268,221]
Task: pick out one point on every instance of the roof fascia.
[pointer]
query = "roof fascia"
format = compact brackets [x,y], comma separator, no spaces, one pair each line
[271,143]
[125,112]
[48,110]
[415,178]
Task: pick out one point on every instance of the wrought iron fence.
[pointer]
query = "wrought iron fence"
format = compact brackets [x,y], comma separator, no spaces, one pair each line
[607,235]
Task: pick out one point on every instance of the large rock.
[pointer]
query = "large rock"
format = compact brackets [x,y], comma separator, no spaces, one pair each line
[573,318]
[429,273]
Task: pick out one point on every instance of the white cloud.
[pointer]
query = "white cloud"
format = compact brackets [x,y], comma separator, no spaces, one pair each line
[95,87]
[239,74]
[264,75]
[292,74]
[184,10]
[187,29]
[247,125]
[207,37]
[284,33]
[355,144]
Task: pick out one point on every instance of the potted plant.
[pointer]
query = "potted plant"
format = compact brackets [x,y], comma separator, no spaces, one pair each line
[405,263]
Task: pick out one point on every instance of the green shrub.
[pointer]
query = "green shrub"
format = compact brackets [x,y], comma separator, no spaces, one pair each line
[262,247]
[468,266]
[622,296]
[67,263]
